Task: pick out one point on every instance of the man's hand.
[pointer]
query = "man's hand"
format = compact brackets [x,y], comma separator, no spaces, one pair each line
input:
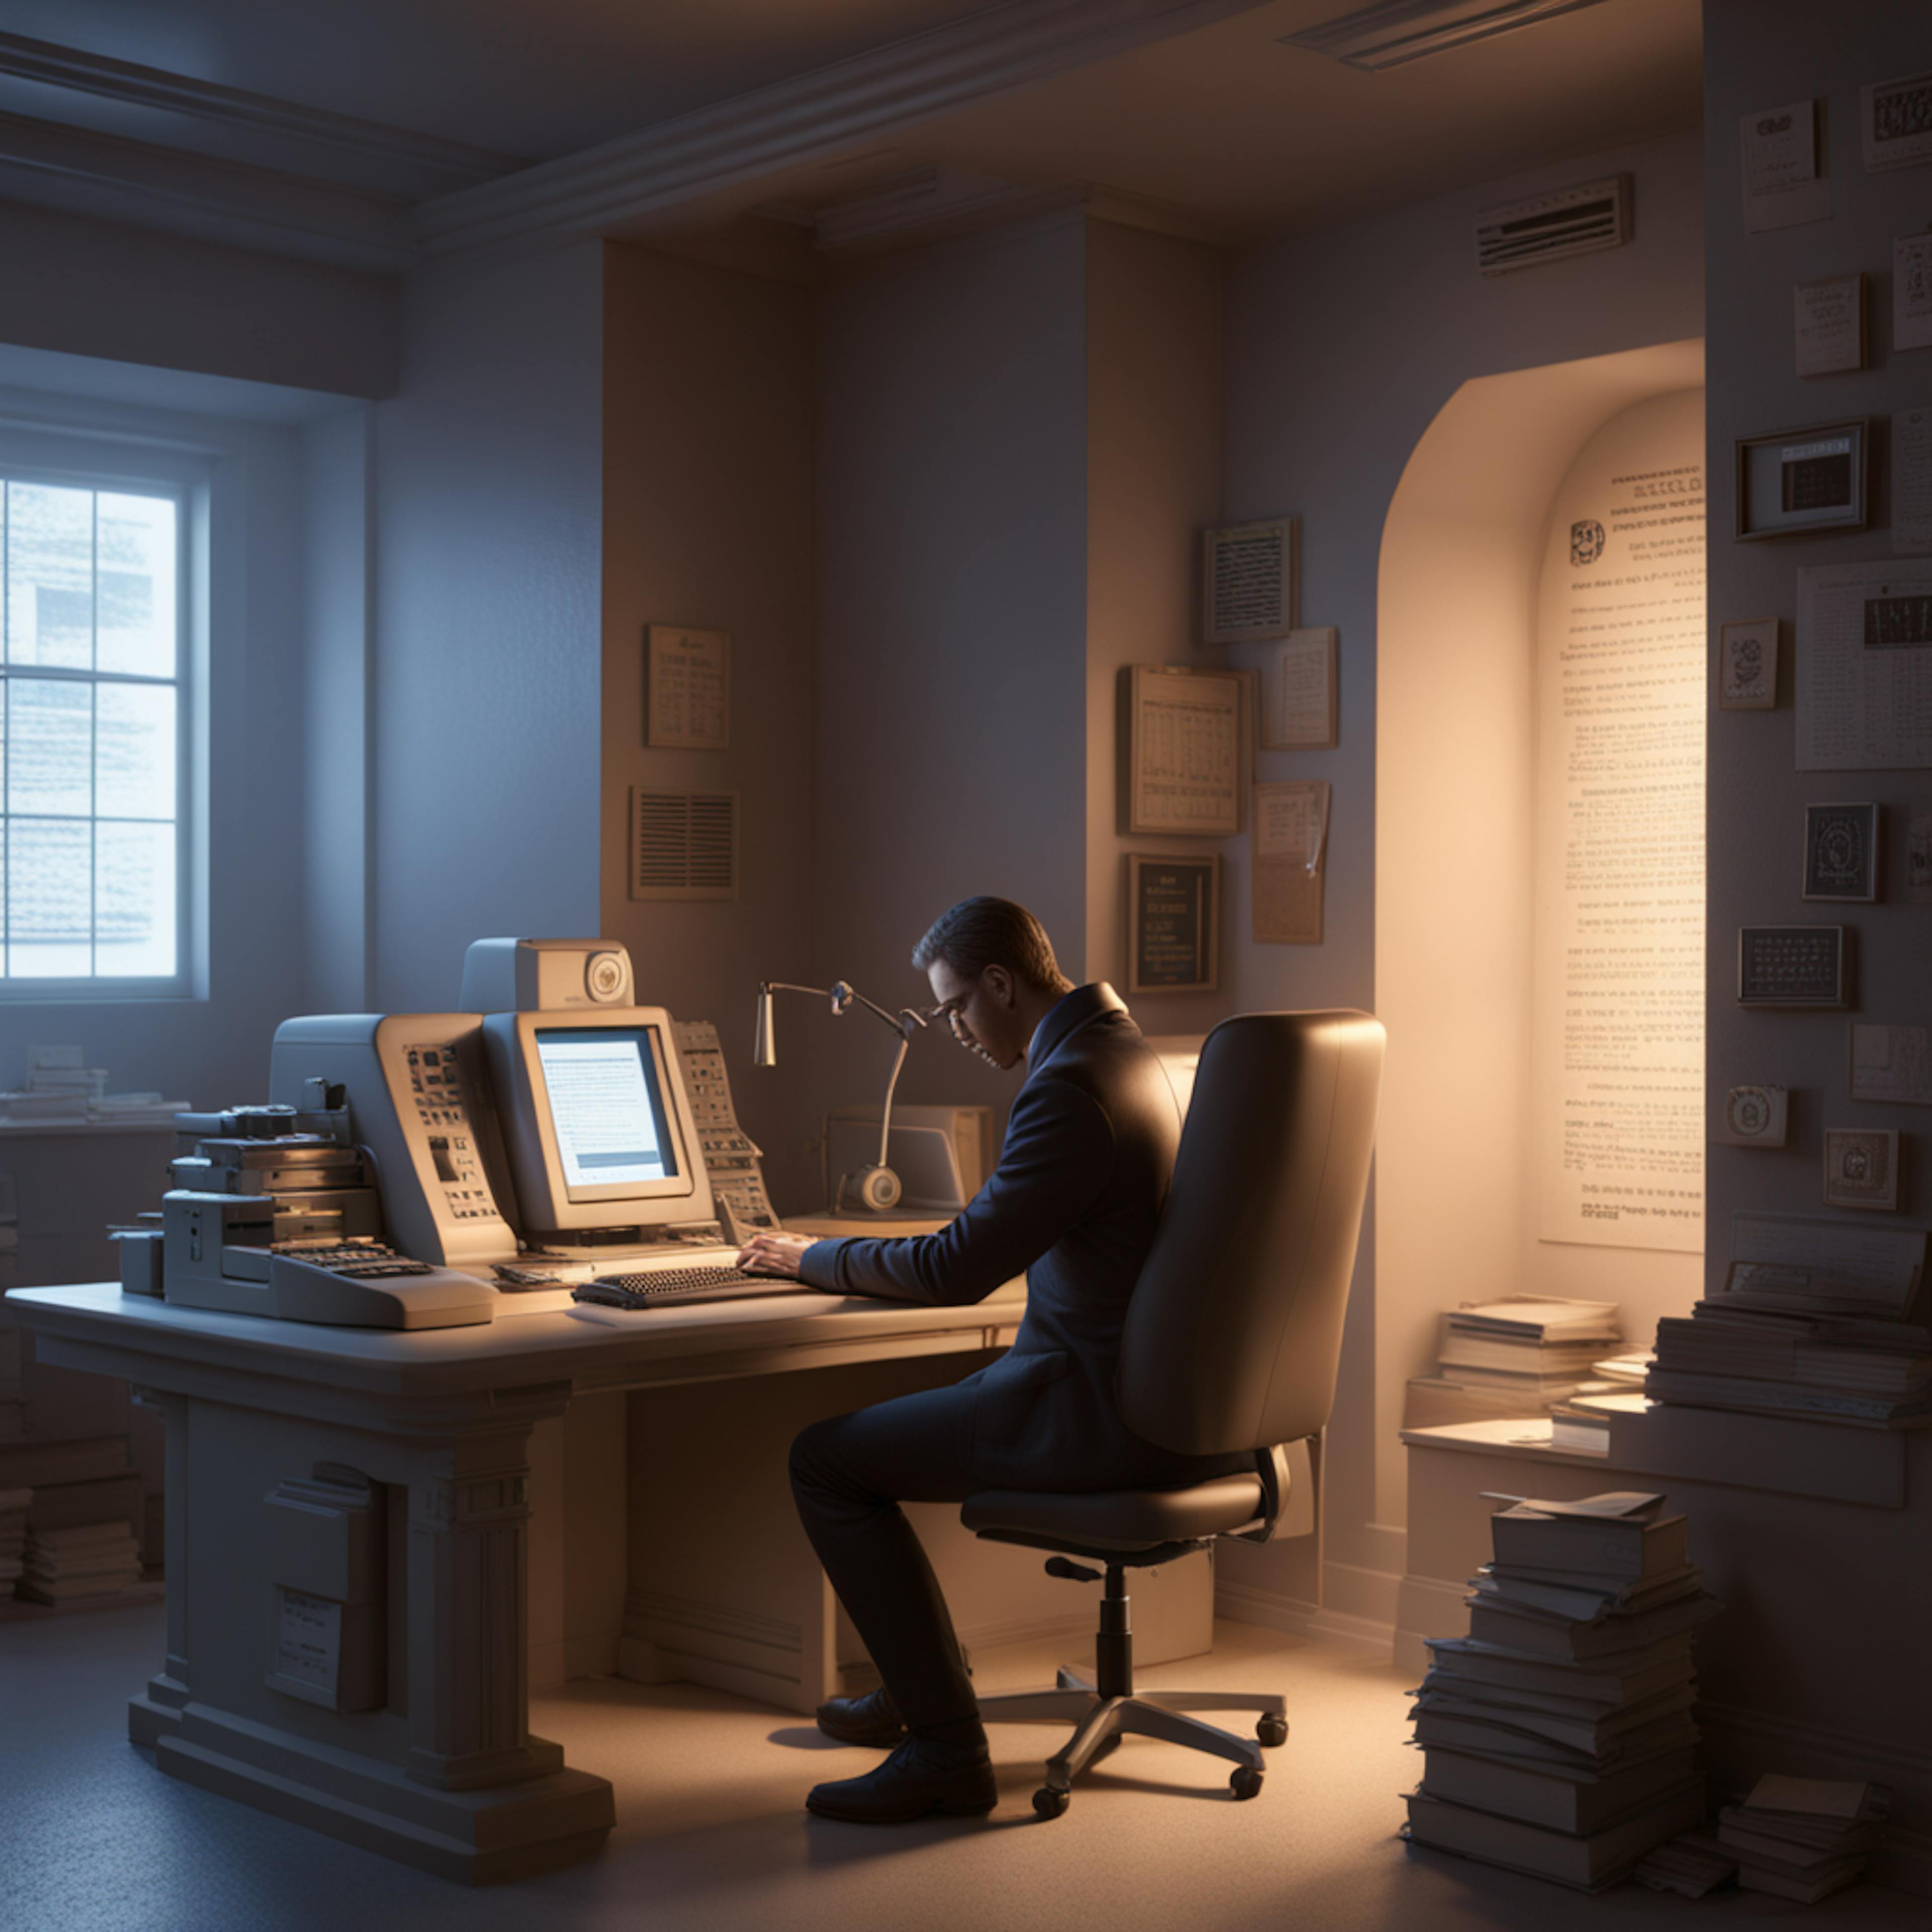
[774,1254]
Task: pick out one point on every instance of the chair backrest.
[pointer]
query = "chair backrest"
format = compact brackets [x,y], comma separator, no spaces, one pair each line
[1235,1331]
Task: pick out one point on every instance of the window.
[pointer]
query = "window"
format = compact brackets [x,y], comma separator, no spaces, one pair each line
[92,735]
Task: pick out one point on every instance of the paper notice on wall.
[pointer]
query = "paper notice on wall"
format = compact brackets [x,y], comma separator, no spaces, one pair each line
[1912,482]
[1828,319]
[688,704]
[308,1640]
[1911,292]
[1298,692]
[1865,667]
[1783,185]
[1919,859]
[1184,750]
[1290,858]
[1618,983]
[1892,1064]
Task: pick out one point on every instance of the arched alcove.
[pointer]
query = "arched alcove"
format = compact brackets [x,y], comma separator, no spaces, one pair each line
[1462,560]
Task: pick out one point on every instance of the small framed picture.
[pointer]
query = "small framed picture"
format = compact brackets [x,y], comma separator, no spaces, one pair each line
[1841,852]
[1174,918]
[1803,480]
[1748,665]
[1755,1117]
[1792,966]
[1861,1167]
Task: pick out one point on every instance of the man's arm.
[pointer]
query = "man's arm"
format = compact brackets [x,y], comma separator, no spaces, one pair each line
[1058,1154]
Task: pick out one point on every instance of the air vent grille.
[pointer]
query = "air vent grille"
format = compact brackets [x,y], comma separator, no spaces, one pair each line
[684,845]
[1548,227]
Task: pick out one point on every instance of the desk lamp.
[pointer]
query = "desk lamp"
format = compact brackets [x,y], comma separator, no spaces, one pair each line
[876,1188]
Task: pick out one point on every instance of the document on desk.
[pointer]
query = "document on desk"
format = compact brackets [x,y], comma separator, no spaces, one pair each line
[1290,860]
[1865,667]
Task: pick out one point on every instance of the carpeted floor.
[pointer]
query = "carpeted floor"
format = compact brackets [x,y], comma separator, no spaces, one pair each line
[710,1833]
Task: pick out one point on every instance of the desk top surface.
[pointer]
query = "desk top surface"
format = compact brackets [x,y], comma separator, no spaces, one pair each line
[577,1341]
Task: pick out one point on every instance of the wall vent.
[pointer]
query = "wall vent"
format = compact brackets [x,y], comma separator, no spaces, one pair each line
[1546,228]
[684,845]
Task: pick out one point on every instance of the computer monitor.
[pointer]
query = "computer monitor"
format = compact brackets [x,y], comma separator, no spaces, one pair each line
[596,1123]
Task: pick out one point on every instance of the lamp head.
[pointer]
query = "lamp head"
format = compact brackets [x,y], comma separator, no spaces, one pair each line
[765,1047]
[842,997]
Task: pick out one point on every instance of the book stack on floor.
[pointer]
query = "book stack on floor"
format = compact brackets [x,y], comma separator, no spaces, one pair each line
[65,1566]
[13,1535]
[1690,1865]
[1557,1735]
[1803,1837]
[1518,1356]
[1817,1357]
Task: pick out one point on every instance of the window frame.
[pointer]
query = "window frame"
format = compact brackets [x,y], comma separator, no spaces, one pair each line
[76,458]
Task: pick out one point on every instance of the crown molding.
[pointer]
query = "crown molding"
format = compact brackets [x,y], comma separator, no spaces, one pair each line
[632,184]
[123,81]
[108,177]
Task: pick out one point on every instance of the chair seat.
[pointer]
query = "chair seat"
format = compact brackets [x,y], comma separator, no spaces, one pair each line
[1119,1519]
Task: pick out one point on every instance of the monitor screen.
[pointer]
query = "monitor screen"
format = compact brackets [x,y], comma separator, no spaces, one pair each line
[605,1089]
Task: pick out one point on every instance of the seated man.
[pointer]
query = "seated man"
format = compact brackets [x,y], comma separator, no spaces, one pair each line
[1074,1202]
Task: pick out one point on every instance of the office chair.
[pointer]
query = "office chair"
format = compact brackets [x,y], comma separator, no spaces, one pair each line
[1232,1340]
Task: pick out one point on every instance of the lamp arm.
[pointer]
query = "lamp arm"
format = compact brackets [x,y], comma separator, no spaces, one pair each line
[892,1082]
[786,986]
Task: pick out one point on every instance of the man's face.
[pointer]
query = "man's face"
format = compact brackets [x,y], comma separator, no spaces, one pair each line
[982,1011]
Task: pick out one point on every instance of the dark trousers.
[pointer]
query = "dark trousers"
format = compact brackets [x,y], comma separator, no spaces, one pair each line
[849,1475]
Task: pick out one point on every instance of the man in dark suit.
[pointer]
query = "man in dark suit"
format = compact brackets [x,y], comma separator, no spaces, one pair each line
[1074,1203]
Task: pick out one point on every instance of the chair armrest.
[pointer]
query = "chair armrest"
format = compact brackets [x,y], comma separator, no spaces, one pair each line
[1287,1474]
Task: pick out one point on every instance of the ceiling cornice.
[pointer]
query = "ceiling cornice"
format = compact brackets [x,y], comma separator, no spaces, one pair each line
[112,178]
[631,184]
[85,73]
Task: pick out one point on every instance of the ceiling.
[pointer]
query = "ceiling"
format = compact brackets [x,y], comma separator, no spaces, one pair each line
[352,129]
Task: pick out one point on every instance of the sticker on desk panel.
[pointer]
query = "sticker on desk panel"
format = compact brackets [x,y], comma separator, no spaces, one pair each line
[308,1642]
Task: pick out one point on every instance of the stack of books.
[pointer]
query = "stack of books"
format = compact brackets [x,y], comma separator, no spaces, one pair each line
[1521,1356]
[1557,1735]
[1803,1837]
[13,1534]
[1769,1354]
[62,1566]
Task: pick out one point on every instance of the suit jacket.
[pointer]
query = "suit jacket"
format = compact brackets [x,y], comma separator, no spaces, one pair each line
[1074,1202]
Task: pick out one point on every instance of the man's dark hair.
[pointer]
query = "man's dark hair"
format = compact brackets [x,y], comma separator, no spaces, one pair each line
[978,933]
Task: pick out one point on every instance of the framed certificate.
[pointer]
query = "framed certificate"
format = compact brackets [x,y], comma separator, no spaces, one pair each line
[1792,966]
[1174,918]
[1802,480]
[1186,749]
[1841,852]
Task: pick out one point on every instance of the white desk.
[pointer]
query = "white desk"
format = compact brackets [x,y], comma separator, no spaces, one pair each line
[719,1585]
[446,1775]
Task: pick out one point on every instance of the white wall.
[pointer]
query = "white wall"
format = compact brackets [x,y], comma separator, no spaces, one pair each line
[1344,344]
[1760,54]
[489,661]
[951,505]
[708,403]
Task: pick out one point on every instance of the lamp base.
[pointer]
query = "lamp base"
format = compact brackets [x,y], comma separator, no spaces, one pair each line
[875,1190]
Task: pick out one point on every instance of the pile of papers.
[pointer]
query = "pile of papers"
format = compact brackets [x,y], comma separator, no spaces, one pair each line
[62,1087]
[13,1532]
[62,1565]
[1803,1837]
[1557,1735]
[1521,1356]
[1835,1327]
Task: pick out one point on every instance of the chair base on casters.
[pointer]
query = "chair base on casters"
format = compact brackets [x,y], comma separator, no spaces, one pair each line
[1103,1712]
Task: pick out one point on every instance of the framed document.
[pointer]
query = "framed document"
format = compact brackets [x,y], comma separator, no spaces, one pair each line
[1748,665]
[1828,322]
[1895,122]
[1296,707]
[1841,852]
[1791,966]
[1803,480]
[1891,1064]
[1250,581]
[1861,1167]
[1186,739]
[1173,919]
[687,688]
[1755,1117]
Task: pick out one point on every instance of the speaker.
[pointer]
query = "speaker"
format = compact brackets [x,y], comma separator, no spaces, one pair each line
[532,976]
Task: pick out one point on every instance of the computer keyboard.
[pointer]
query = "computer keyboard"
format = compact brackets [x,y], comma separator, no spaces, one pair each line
[666,1286]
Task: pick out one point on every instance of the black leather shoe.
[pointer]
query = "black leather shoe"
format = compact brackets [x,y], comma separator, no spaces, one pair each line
[917,1779]
[872,1719]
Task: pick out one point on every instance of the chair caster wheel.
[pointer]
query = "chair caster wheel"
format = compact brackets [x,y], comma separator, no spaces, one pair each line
[1272,1731]
[1245,1783]
[1047,1803]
